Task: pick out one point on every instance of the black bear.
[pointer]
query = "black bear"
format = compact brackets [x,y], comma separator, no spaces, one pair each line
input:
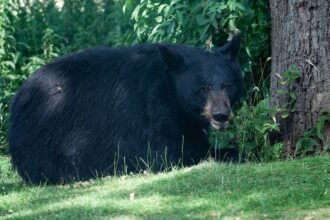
[107,110]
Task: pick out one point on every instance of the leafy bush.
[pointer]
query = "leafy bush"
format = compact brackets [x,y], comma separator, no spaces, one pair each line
[8,60]
[251,131]
[313,141]
[208,23]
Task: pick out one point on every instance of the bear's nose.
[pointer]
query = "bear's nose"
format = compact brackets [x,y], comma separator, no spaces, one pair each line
[220,117]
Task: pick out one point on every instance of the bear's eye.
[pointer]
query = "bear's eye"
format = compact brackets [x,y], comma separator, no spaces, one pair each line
[228,85]
[206,88]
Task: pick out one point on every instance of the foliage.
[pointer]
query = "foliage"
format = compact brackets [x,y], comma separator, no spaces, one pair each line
[8,59]
[288,78]
[251,130]
[34,32]
[313,140]
[209,22]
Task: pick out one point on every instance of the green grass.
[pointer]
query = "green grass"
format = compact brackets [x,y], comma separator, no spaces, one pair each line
[282,190]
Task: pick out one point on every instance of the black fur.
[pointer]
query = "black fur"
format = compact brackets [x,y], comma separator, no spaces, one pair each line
[91,112]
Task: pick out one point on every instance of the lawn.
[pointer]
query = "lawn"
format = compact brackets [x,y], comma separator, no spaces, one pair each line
[283,190]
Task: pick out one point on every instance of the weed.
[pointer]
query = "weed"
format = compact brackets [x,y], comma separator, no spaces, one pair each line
[313,140]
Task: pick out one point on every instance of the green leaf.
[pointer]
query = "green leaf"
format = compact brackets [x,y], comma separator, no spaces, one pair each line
[10,64]
[201,20]
[283,83]
[179,16]
[197,7]
[240,6]
[12,77]
[215,24]
[159,19]
[248,51]
[170,28]
[168,11]
[205,31]
[174,2]
[282,91]
[161,7]
[135,13]
[154,31]
[285,115]
[320,126]
[145,13]
[293,96]
[232,25]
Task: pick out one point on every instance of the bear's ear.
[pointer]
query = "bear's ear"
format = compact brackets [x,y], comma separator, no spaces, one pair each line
[231,48]
[173,59]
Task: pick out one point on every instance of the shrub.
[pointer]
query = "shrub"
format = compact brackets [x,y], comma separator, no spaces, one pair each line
[251,132]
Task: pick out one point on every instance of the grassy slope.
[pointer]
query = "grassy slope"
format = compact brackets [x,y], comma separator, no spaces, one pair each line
[290,190]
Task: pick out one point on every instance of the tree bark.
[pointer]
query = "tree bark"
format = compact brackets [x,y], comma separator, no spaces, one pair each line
[301,36]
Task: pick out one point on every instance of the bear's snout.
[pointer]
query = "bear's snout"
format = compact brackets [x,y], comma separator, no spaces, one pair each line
[221,117]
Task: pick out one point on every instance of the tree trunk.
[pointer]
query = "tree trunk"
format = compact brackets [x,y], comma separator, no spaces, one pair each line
[301,36]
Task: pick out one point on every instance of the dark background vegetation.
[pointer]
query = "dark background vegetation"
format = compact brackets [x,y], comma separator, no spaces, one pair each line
[34,32]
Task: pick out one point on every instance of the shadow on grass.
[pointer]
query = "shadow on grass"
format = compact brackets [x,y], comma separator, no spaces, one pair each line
[10,187]
[213,191]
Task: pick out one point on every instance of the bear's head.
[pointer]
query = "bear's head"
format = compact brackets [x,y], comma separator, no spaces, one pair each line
[206,83]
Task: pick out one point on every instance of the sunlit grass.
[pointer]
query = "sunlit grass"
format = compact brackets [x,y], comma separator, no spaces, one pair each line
[284,190]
